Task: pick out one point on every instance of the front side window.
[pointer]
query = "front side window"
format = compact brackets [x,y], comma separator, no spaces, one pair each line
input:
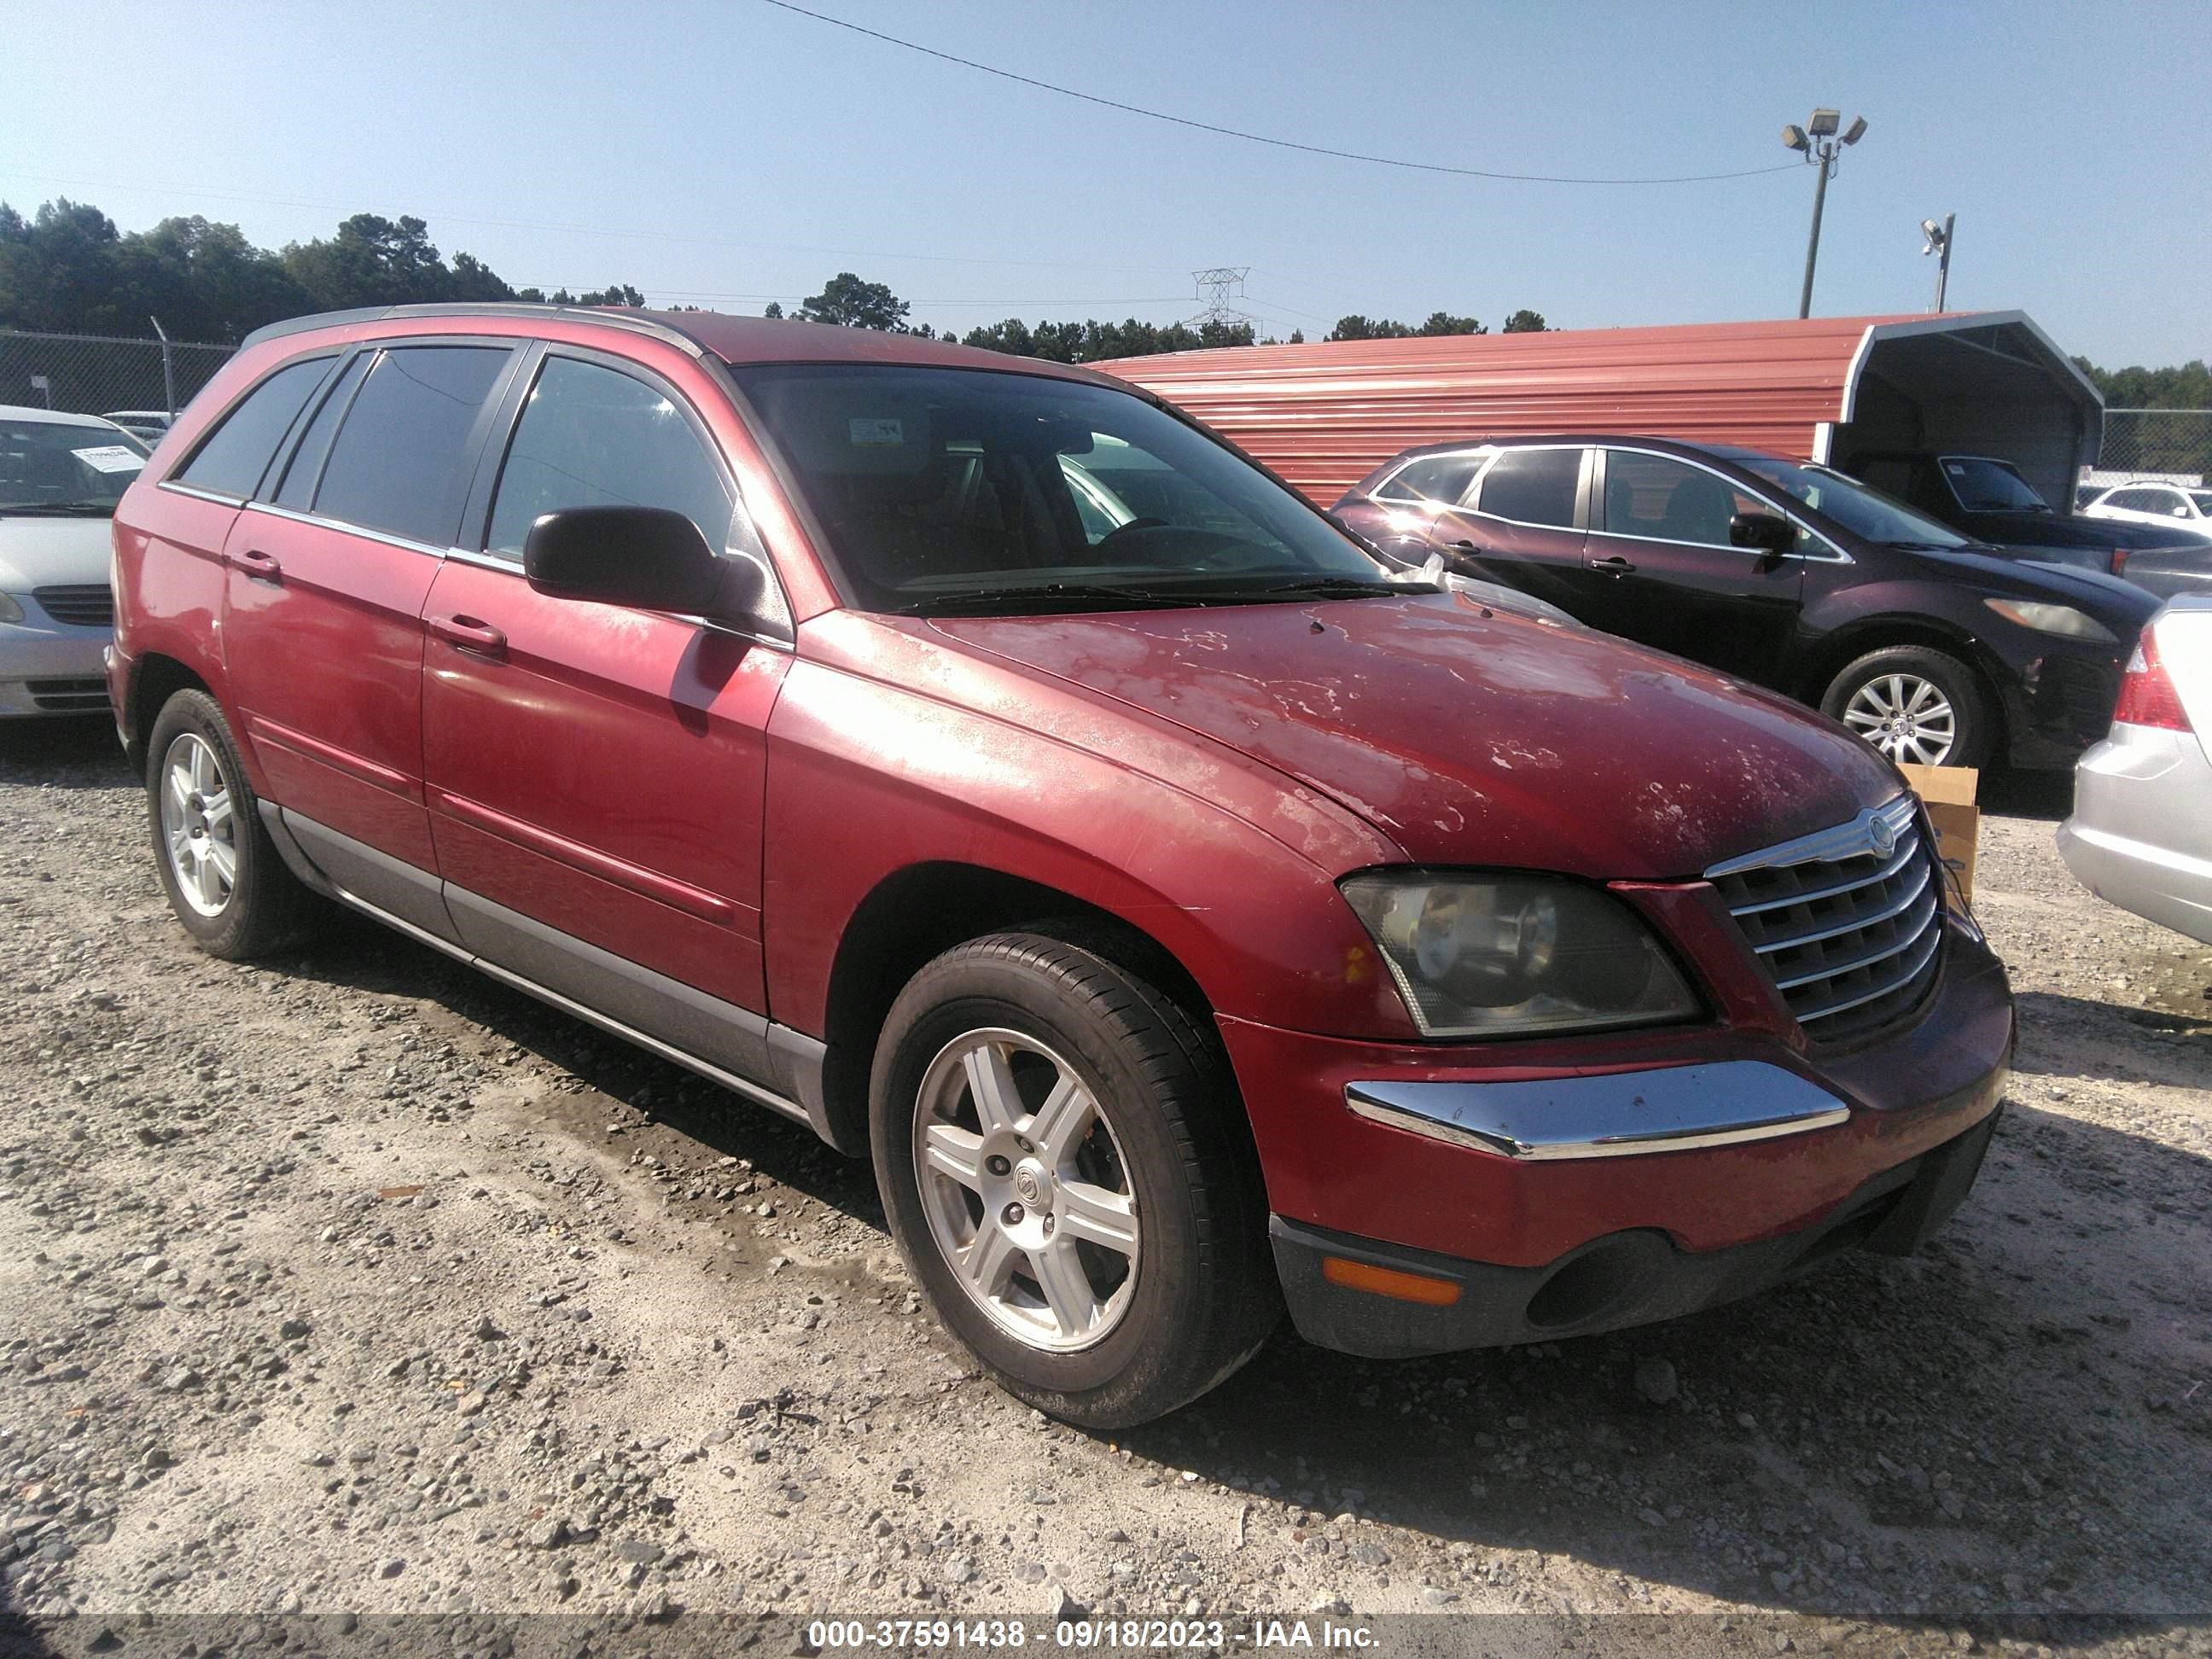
[1670,501]
[1987,486]
[237,453]
[942,489]
[1863,511]
[2203,498]
[62,470]
[399,463]
[1434,478]
[594,437]
[1532,486]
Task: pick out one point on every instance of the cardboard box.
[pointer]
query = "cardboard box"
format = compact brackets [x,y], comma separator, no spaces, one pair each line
[1948,793]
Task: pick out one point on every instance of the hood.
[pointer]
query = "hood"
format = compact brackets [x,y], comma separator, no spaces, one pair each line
[2109,599]
[48,552]
[1473,739]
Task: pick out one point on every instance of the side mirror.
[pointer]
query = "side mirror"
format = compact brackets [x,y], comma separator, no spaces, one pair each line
[1769,532]
[648,558]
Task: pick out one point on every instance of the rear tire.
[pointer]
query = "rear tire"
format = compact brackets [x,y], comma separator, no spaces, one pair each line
[224,876]
[1084,1213]
[1919,706]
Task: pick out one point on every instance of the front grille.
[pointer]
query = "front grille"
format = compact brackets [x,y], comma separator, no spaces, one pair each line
[1848,933]
[81,604]
[68,696]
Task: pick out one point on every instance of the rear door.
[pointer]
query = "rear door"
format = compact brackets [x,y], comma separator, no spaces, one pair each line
[326,575]
[596,774]
[1659,544]
[1402,514]
[1523,525]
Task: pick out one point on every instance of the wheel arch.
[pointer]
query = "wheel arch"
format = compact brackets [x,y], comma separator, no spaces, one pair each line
[155,678]
[1880,633]
[919,912]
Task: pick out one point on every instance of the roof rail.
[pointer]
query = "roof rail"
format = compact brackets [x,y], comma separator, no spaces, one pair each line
[629,321]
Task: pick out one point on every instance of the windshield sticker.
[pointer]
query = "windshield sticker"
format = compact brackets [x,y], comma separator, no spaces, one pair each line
[110,457]
[871,430]
[1955,470]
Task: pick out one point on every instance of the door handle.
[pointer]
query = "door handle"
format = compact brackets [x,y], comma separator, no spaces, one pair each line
[260,566]
[479,639]
[1614,566]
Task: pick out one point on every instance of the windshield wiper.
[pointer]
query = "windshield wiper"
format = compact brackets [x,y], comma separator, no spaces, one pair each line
[57,509]
[1320,587]
[994,598]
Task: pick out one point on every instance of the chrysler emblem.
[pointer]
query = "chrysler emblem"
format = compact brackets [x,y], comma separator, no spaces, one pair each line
[1883,838]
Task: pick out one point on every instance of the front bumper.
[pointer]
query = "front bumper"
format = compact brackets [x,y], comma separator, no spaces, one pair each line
[1701,1140]
[1629,1277]
[2152,784]
[50,669]
[2058,700]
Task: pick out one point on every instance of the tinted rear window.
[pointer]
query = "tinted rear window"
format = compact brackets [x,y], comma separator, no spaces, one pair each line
[234,457]
[298,489]
[1532,486]
[398,464]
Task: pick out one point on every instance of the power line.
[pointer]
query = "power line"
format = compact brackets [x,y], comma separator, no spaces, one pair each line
[1259,138]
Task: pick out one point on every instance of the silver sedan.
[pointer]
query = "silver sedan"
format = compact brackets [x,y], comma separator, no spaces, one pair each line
[2141,836]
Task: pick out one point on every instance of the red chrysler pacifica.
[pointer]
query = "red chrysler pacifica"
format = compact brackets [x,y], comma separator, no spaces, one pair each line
[980,762]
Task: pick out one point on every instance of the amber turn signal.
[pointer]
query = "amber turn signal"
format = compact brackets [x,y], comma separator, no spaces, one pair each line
[1388,1281]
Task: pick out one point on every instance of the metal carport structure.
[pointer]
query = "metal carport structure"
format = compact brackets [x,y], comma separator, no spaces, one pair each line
[1824,388]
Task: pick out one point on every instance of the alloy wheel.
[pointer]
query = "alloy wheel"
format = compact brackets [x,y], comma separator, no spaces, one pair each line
[1906,716]
[199,831]
[1026,1190]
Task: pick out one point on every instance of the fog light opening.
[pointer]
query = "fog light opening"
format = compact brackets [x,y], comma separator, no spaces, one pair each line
[1591,1286]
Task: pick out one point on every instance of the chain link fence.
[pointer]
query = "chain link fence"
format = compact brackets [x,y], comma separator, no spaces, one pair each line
[100,374]
[2174,445]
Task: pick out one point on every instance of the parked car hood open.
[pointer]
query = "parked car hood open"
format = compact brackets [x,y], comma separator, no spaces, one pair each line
[35,552]
[1471,739]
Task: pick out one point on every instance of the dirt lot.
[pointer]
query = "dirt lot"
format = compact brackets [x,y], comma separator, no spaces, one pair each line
[361,1283]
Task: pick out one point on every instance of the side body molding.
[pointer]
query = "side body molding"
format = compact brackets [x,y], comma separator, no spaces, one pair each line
[741,1050]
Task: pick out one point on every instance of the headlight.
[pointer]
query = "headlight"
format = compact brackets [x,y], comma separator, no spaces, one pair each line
[10,610]
[1510,955]
[2053,619]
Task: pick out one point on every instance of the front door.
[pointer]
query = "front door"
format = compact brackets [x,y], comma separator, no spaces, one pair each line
[325,584]
[1669,576]
[596,773]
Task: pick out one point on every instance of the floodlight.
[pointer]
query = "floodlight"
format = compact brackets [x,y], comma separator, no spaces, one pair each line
[1934,233]
[1855,131]
[1795,138]
[1824,123]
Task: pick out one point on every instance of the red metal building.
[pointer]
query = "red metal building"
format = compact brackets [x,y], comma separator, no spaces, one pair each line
[1325,414]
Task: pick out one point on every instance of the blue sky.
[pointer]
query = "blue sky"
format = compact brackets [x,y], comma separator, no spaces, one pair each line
[725,152]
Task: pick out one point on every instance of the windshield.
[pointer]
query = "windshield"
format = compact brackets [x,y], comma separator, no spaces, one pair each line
[46,466]
[955,488]
[1865,511]
[1985,486]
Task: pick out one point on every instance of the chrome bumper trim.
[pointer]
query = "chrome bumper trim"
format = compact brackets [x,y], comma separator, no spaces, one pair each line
[1616,1115]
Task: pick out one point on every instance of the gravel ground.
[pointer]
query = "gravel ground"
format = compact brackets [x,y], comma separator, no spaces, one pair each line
[362,1283]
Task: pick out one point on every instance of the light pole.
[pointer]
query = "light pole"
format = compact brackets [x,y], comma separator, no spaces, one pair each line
[1817,141]
[1939,242]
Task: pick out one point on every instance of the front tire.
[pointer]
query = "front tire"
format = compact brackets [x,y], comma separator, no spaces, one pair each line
[224,875]
[1066,1172]
[1919,706]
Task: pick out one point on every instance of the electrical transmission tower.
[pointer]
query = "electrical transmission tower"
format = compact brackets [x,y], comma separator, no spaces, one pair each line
[1217,287]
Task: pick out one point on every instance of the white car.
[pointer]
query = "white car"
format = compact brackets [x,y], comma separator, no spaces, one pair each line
[2141,836]
[149,426]
[2168,505]
[60,478]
